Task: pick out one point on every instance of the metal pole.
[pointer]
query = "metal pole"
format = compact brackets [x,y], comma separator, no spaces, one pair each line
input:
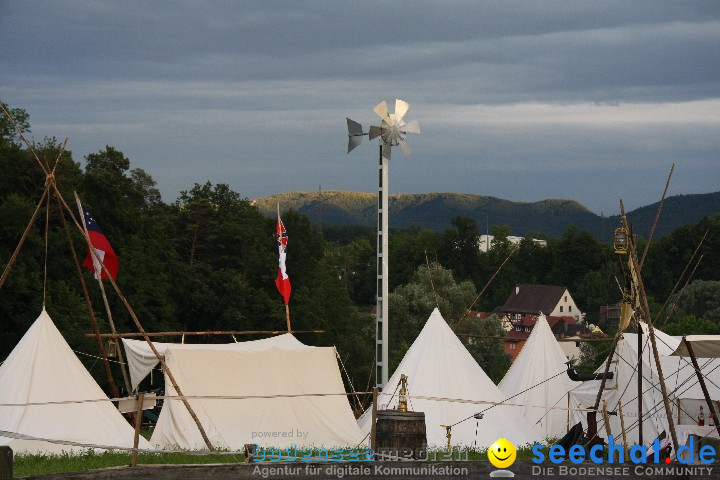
[373,427]
[698,372]
[646,308]
[381,332]
[640,383]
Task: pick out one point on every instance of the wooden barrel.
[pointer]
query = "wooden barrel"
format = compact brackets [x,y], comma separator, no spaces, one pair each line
[401,434]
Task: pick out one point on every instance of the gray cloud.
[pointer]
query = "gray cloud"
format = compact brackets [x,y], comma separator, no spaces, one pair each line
[523,100]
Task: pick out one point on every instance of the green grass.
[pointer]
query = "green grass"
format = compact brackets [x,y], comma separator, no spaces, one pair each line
[26,465]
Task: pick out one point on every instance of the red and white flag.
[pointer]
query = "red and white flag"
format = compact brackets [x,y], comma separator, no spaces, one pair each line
[282,281]
[103,249]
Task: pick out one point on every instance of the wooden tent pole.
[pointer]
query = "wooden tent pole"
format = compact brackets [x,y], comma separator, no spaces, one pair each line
[606,418]
[138,425]
[646,308]
[93,320]
[622,427]
[139,326]
[180,334]
[698,372]
[287,318]
[682,275]
[484,288]
[20,244]
[655,221]
[107,304]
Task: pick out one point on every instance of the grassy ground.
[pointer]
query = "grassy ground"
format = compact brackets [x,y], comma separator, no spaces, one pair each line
[26,465]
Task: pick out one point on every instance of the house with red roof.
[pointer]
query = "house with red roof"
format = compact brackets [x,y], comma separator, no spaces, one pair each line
[522,308]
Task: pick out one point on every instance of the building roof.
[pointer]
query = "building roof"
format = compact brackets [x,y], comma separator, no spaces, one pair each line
[533,299]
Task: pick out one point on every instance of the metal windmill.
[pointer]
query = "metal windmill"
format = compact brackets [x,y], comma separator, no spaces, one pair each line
[392,131]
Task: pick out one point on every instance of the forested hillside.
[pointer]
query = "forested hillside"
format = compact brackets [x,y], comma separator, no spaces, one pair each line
[208,260]
[435,210]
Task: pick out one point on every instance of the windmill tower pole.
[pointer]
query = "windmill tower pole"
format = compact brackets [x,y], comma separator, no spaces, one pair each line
[392,131]
[381,334]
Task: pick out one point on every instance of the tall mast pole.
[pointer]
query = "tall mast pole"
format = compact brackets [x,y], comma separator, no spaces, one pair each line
[98,274]
[381,332]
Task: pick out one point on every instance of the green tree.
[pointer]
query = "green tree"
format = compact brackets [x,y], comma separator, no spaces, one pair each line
[411,305]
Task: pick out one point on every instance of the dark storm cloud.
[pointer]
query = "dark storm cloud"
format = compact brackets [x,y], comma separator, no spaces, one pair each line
[516,99]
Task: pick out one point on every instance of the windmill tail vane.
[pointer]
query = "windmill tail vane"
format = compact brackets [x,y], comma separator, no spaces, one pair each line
[392,129]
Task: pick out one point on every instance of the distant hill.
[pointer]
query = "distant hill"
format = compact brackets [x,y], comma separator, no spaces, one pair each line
[435,210]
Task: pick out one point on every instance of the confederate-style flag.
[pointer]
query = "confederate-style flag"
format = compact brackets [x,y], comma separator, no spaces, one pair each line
[282,281]
[104,251]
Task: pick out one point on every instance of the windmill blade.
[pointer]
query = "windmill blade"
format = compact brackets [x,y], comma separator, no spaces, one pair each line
[354,128]
[405,147]
[375,132]
[381,110]
[386,149]
[401,108]
[411,127]
[353,141]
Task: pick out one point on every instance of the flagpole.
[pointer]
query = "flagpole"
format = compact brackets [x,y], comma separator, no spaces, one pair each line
[107,306]
[287,307]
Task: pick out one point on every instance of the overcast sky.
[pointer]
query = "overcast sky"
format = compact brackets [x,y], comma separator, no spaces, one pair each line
[522,100]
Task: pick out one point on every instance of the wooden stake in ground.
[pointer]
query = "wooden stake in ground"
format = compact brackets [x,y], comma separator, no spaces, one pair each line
[98,274]
[138,424]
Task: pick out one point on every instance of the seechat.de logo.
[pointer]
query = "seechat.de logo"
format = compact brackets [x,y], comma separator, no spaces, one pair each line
[616,453]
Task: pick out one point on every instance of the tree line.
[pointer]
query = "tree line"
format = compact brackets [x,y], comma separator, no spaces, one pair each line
[207,261]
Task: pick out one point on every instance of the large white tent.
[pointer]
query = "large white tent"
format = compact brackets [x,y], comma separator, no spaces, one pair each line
[287,396]
[141,359]
[680,380]
[438,365]
[43,370]
[538,381]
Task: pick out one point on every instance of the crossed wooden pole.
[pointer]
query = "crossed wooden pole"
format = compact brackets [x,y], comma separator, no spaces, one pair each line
[50,188]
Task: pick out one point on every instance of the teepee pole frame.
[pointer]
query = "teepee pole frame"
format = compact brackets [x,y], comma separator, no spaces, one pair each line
[50,183]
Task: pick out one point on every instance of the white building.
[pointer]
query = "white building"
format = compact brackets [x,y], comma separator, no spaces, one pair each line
[485,242]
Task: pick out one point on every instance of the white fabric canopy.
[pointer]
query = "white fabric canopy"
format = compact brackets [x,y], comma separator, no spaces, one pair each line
[540,359]
[141,359]
[680,380]
[303,418]
[705,346]
[43,368]
[438,365]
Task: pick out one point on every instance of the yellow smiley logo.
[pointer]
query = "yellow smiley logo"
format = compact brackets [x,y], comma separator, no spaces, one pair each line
[502,453]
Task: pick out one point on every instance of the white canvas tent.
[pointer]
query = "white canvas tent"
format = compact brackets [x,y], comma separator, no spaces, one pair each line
[680,380]
[298,398]
[43,368]
[438,365]
[141,359]
[541,365]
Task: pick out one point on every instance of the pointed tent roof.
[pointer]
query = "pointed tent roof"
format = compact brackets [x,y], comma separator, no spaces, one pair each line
[680,380]
[43,368]
[438,365]
[540,359]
